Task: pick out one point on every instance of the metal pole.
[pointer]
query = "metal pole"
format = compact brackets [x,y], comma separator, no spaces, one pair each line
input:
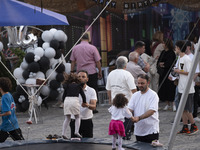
[184,98]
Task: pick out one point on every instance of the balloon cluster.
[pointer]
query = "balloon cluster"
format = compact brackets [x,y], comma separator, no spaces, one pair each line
[40,62]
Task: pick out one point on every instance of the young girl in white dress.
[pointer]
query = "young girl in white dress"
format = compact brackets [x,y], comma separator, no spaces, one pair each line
[118,111]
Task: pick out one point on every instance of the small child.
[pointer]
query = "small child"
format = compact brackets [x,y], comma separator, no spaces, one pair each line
[9,125]
[72,88]
[119,111]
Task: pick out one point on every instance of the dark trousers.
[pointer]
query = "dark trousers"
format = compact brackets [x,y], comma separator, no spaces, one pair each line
[86,128]
[15,135]
[148,138]
[92,82]
[196,100]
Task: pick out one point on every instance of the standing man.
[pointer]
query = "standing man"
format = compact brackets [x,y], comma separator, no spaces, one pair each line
[86,57]
[121,81]
[144,105]
[140,49]
[184,65]
[86,115]
[133,67]
[9,126]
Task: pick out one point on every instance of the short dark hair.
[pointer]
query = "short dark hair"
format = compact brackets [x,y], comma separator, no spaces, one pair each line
[5,84]
[84,72]
[144,76]
[85,36]
[181,45]
[139,44]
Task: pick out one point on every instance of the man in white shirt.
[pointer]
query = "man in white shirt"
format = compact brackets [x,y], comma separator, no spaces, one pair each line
[144,105]
[86,114]
[184,65]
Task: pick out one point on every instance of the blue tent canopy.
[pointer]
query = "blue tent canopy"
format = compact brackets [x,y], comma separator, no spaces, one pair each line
[16,13]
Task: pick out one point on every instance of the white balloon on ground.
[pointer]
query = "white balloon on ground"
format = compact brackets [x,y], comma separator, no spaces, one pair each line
[1,46]
[52,73]
[39,51]
[49,53]
[18,73]
[45,45]
[59,35]
[40,75]
[65,38]
[39,101]
[31,81]
[47,36]
[53,30]
[45,90]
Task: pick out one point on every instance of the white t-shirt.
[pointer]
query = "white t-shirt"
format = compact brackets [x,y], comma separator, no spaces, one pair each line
[141,103]
[120,81]
[90,93]
[185,65]
[119,113]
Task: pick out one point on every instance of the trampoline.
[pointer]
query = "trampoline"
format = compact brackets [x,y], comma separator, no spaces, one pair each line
[89,144]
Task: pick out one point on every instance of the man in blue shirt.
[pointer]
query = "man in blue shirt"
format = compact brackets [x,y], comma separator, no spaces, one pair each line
[9,124]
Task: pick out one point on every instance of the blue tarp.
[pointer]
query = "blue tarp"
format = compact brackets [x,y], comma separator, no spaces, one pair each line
[16,13]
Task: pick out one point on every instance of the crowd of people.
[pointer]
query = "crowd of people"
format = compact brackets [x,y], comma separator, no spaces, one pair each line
[134,90]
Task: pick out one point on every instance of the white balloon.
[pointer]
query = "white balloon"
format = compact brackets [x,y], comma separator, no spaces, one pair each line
[39,51]
[21,81]
[20,100]
[1,46]
[31,81]
[47,36]
[67,67]
[18,73]
[45,45]
[40,75]
[53,30]
[53,62]
[65,38]
[24,65]
[52,73]
[39,101]
[59,35]
[49,52]
[36,58]
[30,50]
[45,90]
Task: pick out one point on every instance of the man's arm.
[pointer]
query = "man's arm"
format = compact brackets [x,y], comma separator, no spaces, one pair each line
[98,64]
[145,115]
[134,90]
[91,105]
[73,66]
[109,96]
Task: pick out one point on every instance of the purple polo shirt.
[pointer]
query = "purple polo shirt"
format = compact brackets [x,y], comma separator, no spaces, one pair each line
[86,56]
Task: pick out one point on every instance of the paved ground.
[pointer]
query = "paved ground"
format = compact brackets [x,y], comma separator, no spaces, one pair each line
[53,119]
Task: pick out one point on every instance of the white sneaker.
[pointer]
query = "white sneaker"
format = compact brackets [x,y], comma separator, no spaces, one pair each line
[174,108]
[197,119]
[166,107]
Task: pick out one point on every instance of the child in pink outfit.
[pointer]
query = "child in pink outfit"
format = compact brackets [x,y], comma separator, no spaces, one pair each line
[118,111]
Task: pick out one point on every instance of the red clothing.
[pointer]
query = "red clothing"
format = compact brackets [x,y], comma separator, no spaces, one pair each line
[86,56]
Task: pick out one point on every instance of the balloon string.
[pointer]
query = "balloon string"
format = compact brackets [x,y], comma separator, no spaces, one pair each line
[14,78]
[75,44]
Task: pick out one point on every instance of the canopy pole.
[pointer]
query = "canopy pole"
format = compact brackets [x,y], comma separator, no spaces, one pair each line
[184,97]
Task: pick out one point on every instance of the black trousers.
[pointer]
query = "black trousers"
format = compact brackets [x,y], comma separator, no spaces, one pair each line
[92,82]
[86,128]
[14,134]
[148,138]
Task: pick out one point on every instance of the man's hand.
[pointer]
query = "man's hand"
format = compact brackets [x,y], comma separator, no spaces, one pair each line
[100,75]
[85,105]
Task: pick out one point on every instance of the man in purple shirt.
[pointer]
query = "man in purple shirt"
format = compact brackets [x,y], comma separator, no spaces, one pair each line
[86,57]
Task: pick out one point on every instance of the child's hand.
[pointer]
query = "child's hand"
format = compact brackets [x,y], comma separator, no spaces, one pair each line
[136,119]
